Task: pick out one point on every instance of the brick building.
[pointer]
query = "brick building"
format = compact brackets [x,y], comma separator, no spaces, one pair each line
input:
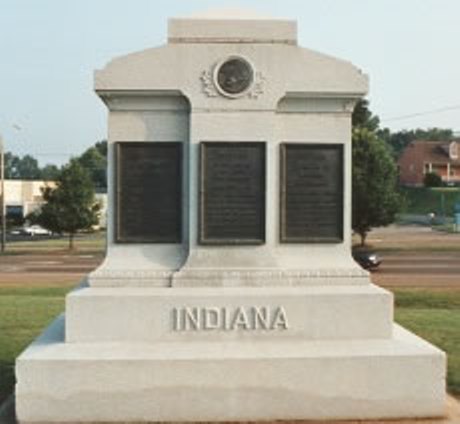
[421,157]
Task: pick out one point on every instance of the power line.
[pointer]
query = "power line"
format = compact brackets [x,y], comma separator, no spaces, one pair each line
[416,114]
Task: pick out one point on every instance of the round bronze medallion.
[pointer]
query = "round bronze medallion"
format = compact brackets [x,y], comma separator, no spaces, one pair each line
[234,76]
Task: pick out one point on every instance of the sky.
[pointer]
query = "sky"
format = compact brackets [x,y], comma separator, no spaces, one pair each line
[49,49]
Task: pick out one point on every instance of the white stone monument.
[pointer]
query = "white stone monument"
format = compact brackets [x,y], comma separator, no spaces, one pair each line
[228,291]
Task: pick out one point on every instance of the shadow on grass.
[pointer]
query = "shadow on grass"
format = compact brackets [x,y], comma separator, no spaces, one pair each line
[7,380]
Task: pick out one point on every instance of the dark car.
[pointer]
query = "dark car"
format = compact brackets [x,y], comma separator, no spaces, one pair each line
[368,260]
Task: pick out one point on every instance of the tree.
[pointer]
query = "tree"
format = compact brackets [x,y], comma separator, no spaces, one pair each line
[375,197]
[94,160]
[70,206]
[10,165]
[27,168]
[49,172]
[101,147]
[432,179]
[362,117]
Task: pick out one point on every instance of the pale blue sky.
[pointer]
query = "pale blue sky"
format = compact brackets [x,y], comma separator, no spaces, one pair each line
[49,49]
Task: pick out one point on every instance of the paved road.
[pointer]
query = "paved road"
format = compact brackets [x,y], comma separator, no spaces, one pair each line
[416,266]
[428,259]
[408,269]
[46,268]
[419,269]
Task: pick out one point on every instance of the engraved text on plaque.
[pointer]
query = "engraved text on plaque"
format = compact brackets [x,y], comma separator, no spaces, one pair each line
[149,191]
[232,193]
[311,193]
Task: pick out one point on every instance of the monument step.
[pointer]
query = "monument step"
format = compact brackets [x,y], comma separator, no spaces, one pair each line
[207,381]
[228,313]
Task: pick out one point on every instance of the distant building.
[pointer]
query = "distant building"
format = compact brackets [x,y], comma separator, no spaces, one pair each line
[422,157]
[23,197]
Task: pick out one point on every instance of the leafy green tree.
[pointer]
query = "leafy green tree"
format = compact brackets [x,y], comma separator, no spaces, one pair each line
[101,147]
[70,206]
[432,179]
[27,168]
[94,160]
[363,117]
[375,197]
[49,172]
[12,166]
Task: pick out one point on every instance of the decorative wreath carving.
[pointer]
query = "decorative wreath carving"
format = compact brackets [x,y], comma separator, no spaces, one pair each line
[209,80]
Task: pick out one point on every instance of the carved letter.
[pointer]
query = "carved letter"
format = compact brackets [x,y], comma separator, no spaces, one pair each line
[225,319]
[240,320]
[260,318]
[280,320]
[177,319]
[191,318]
[211,318]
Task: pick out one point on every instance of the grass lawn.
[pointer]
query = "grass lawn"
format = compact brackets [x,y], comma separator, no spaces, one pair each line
[84,243]
[435,316]
[24,312]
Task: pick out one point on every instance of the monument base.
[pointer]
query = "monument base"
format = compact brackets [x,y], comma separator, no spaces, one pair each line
[403,376]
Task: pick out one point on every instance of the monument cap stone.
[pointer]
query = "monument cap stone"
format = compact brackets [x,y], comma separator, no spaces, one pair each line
[231,26]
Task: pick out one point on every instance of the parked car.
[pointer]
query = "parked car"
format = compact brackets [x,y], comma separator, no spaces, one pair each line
[367,259]
[35,230]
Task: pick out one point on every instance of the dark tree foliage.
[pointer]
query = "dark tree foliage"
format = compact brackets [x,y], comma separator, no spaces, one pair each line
[70,206]
[49,172]
[94,160]
[24,168]
[101,147]
[374,186]
[375,197]
[27,168]
[362,117]
[432,179]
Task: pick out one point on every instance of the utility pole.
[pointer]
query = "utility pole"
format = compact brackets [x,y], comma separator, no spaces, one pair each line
[3,206]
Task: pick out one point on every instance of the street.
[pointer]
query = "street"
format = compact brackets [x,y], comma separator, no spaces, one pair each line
[412,256]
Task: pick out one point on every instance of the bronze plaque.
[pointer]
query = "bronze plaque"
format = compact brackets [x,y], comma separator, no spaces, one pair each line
[149,192]
[311,193]
[232,193]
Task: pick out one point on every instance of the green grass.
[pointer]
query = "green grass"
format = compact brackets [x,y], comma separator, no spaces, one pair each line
[25,311]
[420,200]
[434,316]
[84,243]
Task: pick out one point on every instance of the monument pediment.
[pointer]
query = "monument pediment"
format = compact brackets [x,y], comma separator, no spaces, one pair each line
[196,45]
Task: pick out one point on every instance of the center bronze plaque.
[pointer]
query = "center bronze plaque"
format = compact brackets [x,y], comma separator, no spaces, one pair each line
[149,192]
[311,193]
[232,194]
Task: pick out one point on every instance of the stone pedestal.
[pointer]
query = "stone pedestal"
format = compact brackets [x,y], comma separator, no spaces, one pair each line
[206,354]
[228,291]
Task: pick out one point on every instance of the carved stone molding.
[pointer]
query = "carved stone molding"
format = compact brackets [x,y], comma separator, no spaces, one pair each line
[270,274]
[208,84]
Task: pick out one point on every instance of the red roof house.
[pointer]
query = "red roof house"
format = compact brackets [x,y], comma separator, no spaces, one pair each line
[421,157]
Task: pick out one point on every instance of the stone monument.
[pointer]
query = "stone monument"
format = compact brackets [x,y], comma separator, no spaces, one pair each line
[228,291]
